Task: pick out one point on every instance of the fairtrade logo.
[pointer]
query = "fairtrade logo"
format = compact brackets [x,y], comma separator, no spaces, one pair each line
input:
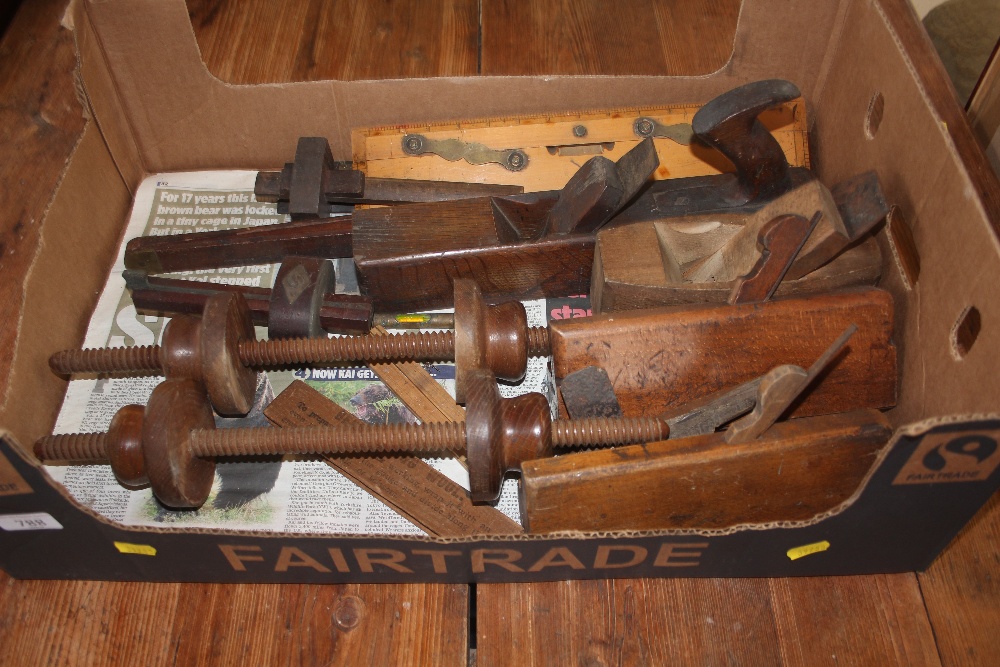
[950,457]
[978,447]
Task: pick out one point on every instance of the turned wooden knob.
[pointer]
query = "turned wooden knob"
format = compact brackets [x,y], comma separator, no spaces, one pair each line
[176,408]
[492,337]
[207,350]
[501,433]
[124,446]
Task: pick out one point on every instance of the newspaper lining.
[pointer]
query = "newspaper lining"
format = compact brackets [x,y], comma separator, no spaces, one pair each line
[283,495]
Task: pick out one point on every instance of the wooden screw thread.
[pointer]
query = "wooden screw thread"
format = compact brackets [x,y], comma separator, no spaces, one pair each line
[325,440]
[422,346]
[605,432]
[356,439]
[138,359]
[538,342]
[81,447]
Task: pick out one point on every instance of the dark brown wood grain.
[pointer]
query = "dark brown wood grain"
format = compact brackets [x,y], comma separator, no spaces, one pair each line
[267,244]
[588,38]
[848,620]
[309,40]
[337,313]
[780,241]
[88,622]
[961,589]
[406,262]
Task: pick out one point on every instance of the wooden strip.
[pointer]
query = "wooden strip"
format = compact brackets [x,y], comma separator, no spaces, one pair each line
[422,394]
[872,620]
[793,472]
[101,623]
[961,590]
[311,40]
[413,488]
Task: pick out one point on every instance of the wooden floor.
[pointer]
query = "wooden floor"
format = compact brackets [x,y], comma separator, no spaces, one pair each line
[947,615]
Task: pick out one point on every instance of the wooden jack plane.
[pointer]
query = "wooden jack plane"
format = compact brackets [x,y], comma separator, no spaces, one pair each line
[518,246]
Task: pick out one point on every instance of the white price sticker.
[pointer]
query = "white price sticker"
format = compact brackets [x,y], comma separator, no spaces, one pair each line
[33,521]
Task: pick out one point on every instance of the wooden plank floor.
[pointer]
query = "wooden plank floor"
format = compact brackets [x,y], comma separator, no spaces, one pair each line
[945,615]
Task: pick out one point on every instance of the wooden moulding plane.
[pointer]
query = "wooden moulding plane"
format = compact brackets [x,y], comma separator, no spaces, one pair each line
[753,472]
[660,358]
[696,258]
[796,470]
[517,246]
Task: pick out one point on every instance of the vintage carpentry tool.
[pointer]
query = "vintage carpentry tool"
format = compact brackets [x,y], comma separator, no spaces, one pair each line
[312,186]
[693,259]
[514,247]
[657,357]
[220,349]
[729,124]
[441,225]
[589,392]
[303,305]
[556,144]
[664,357]
[779,241]
[779,388]
[173,442]
[413,488]
[335,313]
[794,471]
[549,260]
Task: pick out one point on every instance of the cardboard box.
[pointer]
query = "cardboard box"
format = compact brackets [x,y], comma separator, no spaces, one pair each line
[878,100]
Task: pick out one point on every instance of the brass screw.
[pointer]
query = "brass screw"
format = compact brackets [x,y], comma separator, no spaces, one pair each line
[517,160]
[413,143]
[644,127]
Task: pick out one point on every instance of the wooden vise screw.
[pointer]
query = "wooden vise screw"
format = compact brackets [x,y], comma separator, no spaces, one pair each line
[221,350]
[172,444]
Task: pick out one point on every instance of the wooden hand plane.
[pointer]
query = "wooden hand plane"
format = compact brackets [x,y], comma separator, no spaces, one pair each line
[500,233]
[520,246]
[696,258]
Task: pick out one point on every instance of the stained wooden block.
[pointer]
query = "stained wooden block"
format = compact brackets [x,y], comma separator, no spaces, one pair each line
[404,263]
[796,470]
[664,357]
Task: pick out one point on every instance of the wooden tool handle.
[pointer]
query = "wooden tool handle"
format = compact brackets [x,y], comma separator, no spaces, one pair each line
[729,124]
[780,241]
